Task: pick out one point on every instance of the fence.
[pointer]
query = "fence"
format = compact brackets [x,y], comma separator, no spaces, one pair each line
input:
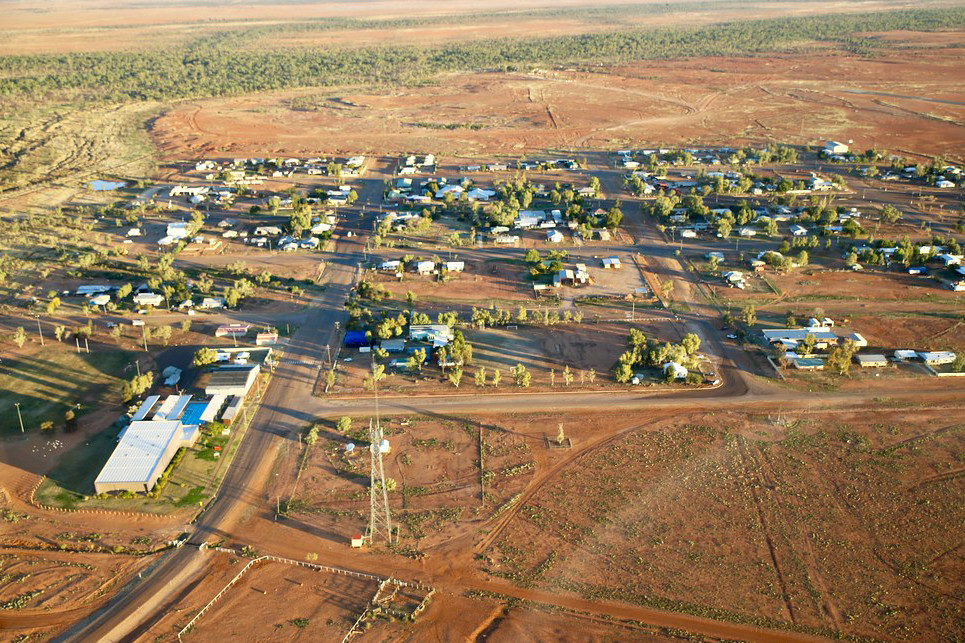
[288,561]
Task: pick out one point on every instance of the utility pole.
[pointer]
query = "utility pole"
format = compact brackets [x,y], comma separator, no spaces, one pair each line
[328,347]
[40,331]
[19,417]
[77,343]
[144,338]
[86,345]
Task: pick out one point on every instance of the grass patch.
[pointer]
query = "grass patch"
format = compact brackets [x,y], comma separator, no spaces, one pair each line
[51,381]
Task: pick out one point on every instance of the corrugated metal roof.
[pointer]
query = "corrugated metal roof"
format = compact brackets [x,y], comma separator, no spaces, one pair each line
[139,452]
[145,408]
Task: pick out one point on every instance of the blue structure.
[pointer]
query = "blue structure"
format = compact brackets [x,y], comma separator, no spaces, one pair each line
[355,339]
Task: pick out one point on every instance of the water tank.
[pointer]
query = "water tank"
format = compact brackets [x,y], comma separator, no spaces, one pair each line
[384,446]
[350,447]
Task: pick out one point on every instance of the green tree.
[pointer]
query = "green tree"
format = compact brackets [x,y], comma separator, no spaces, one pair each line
[839,357]
[748,315]
[344,425]
[480,377]
[497,377]
[521,377]
[19,336]
[455,376]
[204,356]
[890,214]
[623,372]
[53,305]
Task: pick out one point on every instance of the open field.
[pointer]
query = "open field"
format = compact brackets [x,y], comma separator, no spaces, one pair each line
[48,381]
[842,524]
[725,101]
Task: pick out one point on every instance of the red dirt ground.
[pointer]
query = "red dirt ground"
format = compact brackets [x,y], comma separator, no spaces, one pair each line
[786,98]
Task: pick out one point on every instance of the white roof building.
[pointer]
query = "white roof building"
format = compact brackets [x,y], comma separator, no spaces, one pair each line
[144,451]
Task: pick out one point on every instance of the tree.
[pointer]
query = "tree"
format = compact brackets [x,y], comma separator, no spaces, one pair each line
[890,214]
[312,436]
[713,263]
[60,330]
[790,321]
[455,376]
[263,278]
[691,343]
[591,375]
[521,377]
[497,377]
[567,375]
[19,336]
[344,424]
[329,380]
[532,256]
[748,315]
[806,347]
[377,375]
[204,283]
[613,217]
[839,357]
[802,259]
[623,372]
[410,298]
[204,356]
[414,363]
[53,305]
[480,376]
[560,435]
[958,366]
[163,333]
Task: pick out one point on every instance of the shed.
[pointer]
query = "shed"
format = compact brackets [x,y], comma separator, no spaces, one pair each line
[355,339]
[232,380]
[680,372]
[871,361]
[392,345]
[611,263]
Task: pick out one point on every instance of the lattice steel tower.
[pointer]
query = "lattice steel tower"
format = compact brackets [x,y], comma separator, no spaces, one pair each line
[380,519]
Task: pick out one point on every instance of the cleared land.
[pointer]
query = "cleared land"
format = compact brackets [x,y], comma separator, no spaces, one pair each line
[789,98]
[836,524]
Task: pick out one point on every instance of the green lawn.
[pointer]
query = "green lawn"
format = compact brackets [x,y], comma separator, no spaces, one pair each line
[52,381]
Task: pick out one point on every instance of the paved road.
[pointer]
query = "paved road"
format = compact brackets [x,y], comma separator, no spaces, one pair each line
[282,413]
[288,406]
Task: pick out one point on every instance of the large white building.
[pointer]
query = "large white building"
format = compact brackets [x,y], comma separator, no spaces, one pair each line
[143,453]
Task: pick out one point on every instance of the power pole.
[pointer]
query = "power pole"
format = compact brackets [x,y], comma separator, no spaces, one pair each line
[19,417]
[40,330]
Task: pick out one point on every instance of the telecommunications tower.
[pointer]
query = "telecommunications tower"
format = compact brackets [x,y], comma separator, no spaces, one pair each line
[380,520]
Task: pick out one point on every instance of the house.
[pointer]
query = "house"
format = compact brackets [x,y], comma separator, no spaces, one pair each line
[563,277]
[715,255]
[506,239]
[148,299]
[611,263]
[233,330]
[747,232]
[834,147]
[455,266]
[679,371]
[391,266]
[437,334]
[554,236]
[604,235]
[177,230]
[100,300]
[871,361]
[209,303]
[798,230]
[905,355]
[86,291]
[392,345]
[858,340]
[425,267]
[917,270]
[792,336]
[808,363]
[934,358]
[266,339]
[267,231]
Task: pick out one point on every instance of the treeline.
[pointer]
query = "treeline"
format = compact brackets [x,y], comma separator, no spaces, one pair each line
[213,67]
